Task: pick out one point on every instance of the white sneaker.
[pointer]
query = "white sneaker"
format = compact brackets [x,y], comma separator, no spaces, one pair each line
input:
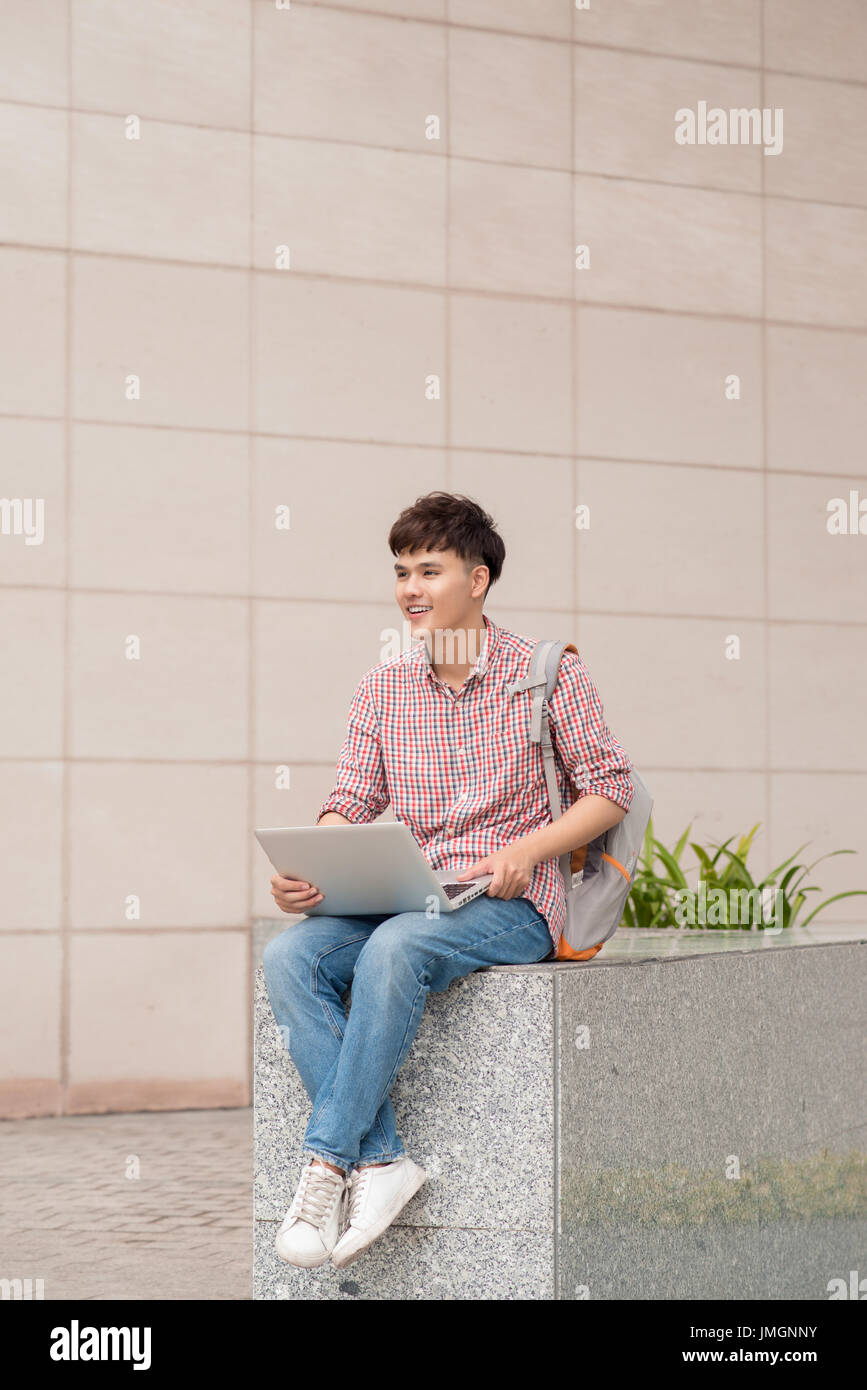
[376,1195]
[312,1224]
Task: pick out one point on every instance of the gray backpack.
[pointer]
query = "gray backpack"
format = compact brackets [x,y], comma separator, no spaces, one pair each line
[597,876]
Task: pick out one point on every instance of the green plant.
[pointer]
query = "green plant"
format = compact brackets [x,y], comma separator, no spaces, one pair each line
[653,899]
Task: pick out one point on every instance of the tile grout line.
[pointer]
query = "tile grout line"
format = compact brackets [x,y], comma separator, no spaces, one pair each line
[65,797]
[252,461]
[765,367]
[430,287]
[447,444]
[310,601]
[350,441]
[697,59]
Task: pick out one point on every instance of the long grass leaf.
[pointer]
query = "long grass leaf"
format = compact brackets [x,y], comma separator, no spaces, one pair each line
[852,893]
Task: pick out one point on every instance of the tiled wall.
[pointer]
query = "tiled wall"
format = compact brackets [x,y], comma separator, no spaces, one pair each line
[336,269]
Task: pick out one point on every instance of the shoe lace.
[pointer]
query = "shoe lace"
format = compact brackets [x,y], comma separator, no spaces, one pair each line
[359,1181]
[317,1192]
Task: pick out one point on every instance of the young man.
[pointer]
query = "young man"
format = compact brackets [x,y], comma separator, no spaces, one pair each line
[435,732]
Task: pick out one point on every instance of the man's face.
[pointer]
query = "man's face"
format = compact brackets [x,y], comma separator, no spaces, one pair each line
[440,583]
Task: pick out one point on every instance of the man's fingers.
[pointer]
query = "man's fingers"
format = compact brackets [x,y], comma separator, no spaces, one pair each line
[296,902]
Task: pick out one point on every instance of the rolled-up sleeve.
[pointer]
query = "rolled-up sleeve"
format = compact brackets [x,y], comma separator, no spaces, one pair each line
[596,762]
[361,789]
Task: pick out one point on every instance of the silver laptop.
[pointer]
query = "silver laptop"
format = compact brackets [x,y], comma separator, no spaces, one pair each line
[365,868]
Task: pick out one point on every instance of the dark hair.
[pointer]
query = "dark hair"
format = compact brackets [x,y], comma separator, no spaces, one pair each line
[450,521]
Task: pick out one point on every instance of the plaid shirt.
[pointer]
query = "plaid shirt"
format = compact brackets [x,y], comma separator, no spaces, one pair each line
[458,767]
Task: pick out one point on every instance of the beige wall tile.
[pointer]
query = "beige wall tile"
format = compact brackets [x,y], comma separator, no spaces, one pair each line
[365,78]
[34,41]
[729,33]
[716,804]
[812,573]
[170,62]
[31,886]
[531,501]
[671,540]
[625,119]
[173,836]
[343,500]
[817,399]
[509,99]
[177,192]
[377,214]
[31,674]
[653,386]
[30,1007]
[185,697]
[183,330]
[32,361]
[510,228]
[831,42]
[159,509]
[409,9]
[668,248]
[309,660]
[825,812]
[815,260]
[34,472]
[670,694]
[511,371]
[548,17]
[158,1007]
[33,170]
[345,360]
[824,153]
[815,697]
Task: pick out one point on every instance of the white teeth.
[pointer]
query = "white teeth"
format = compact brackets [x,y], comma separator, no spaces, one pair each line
[421,609]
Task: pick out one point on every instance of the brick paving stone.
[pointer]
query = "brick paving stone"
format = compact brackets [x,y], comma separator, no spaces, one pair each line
[71,1215]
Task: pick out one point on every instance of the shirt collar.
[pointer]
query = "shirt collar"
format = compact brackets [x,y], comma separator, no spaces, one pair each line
[422,659]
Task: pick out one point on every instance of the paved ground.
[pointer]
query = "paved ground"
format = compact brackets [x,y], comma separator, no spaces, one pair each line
[74,1213]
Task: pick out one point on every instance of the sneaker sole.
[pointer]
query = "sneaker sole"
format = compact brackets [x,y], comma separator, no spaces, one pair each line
[398,1202]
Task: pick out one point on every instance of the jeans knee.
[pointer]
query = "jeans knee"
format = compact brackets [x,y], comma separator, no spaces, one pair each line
[284,957]
[387,956]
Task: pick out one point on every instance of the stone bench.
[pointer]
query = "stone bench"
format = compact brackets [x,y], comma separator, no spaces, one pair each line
[680,1118]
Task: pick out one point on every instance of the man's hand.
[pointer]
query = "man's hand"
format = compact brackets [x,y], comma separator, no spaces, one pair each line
[512,868]
[293,895]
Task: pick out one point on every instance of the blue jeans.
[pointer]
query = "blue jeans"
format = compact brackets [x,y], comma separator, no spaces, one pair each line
[348,1063]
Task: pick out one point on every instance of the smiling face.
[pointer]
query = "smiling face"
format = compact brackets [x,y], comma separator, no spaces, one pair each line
[449,589]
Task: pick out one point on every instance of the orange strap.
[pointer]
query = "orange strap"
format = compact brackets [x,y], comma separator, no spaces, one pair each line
[617,865]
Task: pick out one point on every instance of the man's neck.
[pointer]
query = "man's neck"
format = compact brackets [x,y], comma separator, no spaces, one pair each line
[449,647]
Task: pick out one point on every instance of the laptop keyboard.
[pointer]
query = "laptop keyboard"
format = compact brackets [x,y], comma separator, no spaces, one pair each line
[452,890]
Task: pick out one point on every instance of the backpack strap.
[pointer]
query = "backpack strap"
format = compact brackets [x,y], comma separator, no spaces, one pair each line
[541,680]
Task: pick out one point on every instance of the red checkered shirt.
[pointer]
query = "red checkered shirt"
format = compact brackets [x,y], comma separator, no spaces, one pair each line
[458,767]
